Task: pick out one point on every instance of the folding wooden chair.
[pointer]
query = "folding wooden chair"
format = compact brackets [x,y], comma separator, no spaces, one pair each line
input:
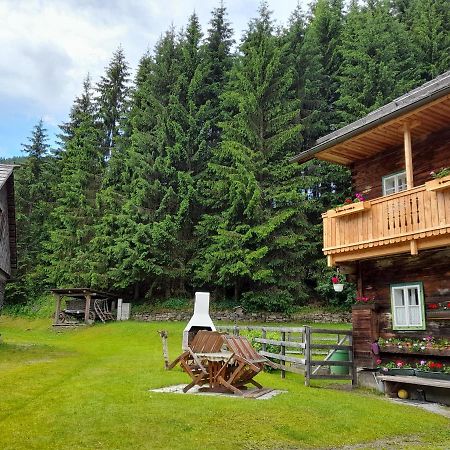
[194,365]
[244,364]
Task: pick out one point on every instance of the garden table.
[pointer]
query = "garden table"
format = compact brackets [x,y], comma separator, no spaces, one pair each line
[223,362]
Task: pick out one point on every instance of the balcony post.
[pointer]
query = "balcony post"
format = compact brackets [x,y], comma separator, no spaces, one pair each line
[408,156]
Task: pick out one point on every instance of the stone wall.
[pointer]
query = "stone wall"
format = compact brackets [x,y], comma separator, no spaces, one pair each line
[230,316]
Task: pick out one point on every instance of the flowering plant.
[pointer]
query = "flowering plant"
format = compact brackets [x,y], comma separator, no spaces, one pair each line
[438,306]
[423,366]
[417,345]
[357,198]
[338,279]
[399,364]
[364,299]
[441,173]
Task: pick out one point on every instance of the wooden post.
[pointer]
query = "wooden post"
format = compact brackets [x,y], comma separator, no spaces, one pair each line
[307,355]
[408,156]
[352,360]
[414,250]
[87,308]
[57,308]
[283,352]
[263,335]
[164,334]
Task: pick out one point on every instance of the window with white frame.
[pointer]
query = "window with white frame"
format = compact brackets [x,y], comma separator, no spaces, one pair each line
[408,311]
[394,183]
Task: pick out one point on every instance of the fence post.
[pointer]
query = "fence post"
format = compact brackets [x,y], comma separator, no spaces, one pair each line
[263,335]
[283,352]
[352,360]
[307,355]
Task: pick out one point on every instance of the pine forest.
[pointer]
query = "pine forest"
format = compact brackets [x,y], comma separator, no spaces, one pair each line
[178,178]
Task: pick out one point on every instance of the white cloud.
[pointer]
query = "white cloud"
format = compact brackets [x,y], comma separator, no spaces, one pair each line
[49,46]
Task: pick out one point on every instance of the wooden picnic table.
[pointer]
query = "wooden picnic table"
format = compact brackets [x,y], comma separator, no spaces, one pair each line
[222,362]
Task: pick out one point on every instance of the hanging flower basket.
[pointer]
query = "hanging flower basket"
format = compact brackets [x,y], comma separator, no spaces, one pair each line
[338,282]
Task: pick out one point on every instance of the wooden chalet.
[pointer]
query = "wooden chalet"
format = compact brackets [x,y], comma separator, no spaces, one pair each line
[395,245]
[8,246]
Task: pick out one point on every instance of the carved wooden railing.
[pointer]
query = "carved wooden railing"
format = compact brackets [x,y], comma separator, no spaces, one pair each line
[414,215]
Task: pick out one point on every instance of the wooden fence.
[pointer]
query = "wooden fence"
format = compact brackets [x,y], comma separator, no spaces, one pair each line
[303,350]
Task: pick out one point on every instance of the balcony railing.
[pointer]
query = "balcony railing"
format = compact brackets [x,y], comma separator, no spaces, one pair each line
[407,221]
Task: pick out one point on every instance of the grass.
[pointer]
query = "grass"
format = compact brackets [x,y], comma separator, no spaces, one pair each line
[89,389]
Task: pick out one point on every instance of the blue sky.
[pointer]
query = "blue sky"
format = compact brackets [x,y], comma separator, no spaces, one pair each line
[49,46]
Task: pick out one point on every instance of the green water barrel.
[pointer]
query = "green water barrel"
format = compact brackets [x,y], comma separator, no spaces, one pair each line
[339,355]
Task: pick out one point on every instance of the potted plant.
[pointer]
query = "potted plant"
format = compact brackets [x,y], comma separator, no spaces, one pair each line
[441,180]
[338,282]
[433,369]
[398,367]
[350,206]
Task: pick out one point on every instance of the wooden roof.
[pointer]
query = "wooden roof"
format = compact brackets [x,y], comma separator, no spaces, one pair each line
[6,171]
[7,182]
[82,292]
[425,109]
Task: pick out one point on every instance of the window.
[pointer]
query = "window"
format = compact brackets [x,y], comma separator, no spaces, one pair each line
[394,183]
[407,306]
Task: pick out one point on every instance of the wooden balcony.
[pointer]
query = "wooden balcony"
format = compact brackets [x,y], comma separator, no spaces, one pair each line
[408,221]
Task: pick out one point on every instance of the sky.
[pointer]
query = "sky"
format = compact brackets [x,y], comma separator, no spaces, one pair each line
[49,46]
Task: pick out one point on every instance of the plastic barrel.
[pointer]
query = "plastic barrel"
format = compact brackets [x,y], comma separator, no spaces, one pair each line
[339,355]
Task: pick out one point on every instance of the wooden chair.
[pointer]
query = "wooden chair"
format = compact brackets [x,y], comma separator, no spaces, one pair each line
[194,365]
[244,364]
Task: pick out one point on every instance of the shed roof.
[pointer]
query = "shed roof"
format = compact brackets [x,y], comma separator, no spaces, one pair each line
[5,172]
[377,125]
[82,292]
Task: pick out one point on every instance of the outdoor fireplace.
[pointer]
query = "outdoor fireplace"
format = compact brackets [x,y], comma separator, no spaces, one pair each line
[200,320]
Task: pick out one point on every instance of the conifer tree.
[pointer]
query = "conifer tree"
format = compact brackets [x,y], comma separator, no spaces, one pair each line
[250,235]
[112,102]
[429,28]
[377,60]
[69,250]
[33,206]
[318,67]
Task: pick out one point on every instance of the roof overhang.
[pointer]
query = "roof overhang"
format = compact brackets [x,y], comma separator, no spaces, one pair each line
[426,110]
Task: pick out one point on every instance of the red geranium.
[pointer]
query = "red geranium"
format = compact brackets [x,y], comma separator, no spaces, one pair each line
[432,306]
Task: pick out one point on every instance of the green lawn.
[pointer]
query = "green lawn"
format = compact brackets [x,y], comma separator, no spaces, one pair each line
[89,389]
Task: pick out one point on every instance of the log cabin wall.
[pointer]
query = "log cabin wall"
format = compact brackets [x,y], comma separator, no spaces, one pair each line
[430,153]
[5,251]
[431,267]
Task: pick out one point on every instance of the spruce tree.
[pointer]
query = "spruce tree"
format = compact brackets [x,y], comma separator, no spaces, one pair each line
[112,100]
[69,250]
[377,60]
[33,205]
[429,29]
[251,236]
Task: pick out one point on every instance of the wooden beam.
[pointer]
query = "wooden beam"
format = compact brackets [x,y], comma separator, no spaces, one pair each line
[58,308]
[408,156]
[87,308]
[414,249]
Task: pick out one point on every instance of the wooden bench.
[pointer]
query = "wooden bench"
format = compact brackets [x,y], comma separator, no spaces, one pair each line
[392,383]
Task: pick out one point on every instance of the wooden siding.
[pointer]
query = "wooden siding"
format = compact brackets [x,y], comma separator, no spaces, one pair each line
[12,224]
[389,226]
[431,267]
[5,252]
[430,153]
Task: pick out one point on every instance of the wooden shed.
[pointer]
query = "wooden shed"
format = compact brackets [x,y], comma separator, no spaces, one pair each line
[83,305]
[8,245]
